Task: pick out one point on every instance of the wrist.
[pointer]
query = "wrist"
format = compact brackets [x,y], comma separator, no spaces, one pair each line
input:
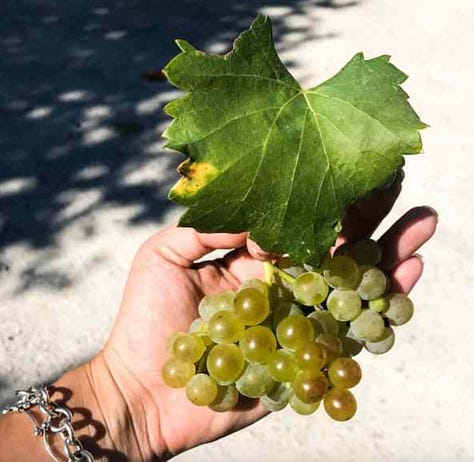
[107,421]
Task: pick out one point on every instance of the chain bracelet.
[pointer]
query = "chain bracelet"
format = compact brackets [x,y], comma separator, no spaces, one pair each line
[58,421]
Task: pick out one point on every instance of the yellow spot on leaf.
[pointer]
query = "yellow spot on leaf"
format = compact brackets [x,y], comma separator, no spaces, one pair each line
[196,175]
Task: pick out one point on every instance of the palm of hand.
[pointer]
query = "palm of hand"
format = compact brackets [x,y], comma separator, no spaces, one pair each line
[164,290]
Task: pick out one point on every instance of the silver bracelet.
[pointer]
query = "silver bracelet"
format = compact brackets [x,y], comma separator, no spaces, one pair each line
[58,421]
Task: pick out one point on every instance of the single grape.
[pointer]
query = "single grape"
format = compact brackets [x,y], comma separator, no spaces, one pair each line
[310,386]
[225,363]
[342,250]
[302,408]
[372,284]
[282,366]
[310,289]
[400,309]
[310,356]
[342,273]
[323,323]
[212,304]
[344,373]
[351,345]
[257,284]
[225,327]
[257,344]
[332,346]
[188,347]
[277,397]
[294,331]
[170,342]
[256,381]
[378,304]
[197,326]
[201,390]
[368,326]
[344,305]
[366,252]
[340,404]
[226,398]
[384,344]
[176,373]
[251,306]
[284,309]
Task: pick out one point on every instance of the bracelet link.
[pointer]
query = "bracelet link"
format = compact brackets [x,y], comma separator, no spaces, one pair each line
[58,422]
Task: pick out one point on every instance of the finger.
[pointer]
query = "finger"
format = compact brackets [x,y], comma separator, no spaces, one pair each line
[407,235]
[363,217]
[183,246]
[257,252]
[405,275]
[243,265]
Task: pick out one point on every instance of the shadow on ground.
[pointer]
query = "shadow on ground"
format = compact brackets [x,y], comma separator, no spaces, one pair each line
[80,104]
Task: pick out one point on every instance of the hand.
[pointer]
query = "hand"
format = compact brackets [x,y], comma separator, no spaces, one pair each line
[161,297]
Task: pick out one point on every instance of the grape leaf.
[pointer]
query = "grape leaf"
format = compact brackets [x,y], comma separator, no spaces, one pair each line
[283,162]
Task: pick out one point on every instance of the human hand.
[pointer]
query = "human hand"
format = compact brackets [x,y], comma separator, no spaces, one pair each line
[161,297]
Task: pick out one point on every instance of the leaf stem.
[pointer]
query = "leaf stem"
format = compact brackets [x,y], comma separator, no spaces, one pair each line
[271,269]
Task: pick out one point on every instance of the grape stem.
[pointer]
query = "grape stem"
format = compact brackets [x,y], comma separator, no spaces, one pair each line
[271,269]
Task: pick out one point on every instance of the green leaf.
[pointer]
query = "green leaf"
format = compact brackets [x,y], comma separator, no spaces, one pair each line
[283,162]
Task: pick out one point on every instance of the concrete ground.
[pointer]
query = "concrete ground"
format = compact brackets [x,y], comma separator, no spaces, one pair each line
[83,182]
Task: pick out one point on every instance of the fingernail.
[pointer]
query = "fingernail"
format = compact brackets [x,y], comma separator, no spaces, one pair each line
[419,256]
[431,209]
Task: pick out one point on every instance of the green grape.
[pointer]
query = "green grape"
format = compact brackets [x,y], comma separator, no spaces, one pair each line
[342,250]
[310,386]
[351,345]
[201,390]
[255,381]
[302,408]
[310,289]
[310,356]
[368,326]
[225,363]
[366,252]
[188,347]
[170,342]
[378,304]
[282,366]
[251,306]
[257,284]
[340,404]
[257,344]
[279,294]
[323,323]
[342,273]
[343,329]
[332,346]
[176,373]
[284,309]
[344,373]
[400,309]
[344,305]
[198,326]
[294,331]
[372,284]
[384,344]
[225,327]
[212,304]
[277,397]
[226,399]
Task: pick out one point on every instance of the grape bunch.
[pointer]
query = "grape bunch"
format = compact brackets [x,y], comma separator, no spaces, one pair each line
[292,339]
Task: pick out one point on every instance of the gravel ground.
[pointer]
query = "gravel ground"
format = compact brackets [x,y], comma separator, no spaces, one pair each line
[83,182]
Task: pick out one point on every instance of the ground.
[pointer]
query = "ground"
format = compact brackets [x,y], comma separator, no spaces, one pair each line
[83,181]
